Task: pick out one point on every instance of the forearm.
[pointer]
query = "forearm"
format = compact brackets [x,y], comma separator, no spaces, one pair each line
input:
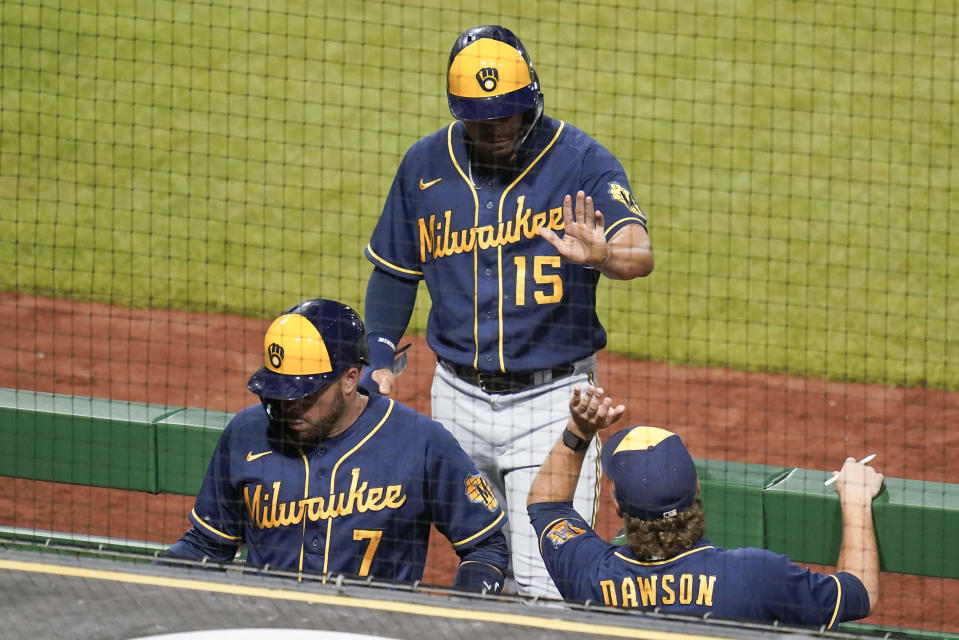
[493,551]
[193,545]
[557,477]
[388,309]
[858,552]
[483,565]
[629,255]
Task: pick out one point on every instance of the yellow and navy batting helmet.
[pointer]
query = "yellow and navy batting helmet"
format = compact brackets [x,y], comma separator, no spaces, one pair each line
[490,76]
[307,348]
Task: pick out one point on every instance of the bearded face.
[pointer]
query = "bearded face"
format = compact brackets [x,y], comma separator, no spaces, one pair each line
[311,419]
[495,140]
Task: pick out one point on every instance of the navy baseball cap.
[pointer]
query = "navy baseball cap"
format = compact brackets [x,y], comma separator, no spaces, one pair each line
[307,348]
[652,472]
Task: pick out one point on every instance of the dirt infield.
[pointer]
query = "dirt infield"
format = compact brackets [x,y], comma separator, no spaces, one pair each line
[194,360]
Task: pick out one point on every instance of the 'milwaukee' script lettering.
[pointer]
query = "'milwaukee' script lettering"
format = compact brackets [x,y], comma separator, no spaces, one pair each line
[266,512]
[438,240]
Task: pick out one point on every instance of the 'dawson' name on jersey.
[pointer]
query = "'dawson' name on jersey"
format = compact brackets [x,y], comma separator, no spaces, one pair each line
[686,588]
[438,239]
[267,513]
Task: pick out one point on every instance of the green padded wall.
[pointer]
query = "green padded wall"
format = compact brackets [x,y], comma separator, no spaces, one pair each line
[79,440]
[185,441]
[732,494]
[916,523]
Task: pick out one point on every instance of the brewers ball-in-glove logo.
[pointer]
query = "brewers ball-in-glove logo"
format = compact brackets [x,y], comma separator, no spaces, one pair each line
[275,353]
[488,78]
[618,192]
[562,532]
[479,491]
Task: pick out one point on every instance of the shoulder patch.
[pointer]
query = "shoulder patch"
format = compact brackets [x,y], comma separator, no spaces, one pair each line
[479,491]
[562,532]
[619,193]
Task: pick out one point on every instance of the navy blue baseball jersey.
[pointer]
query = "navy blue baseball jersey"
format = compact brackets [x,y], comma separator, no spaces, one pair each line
[502,297]
[359,503]
[745,584]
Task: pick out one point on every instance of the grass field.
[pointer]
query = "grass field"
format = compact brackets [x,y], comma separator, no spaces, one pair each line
[797,161]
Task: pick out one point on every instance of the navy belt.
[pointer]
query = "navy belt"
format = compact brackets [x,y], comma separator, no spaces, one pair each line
[510,382]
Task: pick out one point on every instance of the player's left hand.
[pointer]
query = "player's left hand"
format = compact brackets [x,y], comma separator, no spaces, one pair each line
[857,483]
[592,410]
[385,381]
[584,240]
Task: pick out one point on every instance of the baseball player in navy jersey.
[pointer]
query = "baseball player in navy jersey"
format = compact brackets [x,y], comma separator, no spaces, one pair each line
[510,217]
[668,564]
[310,480]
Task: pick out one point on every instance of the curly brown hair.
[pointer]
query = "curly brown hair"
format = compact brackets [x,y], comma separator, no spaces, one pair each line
[665,537]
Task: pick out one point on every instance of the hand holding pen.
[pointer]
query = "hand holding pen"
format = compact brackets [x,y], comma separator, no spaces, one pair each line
[835,474]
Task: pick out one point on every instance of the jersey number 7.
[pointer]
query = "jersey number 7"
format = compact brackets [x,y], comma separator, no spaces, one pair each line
[374,537]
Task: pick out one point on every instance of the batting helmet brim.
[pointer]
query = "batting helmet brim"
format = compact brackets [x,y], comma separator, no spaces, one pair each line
[277,386]
[491,108]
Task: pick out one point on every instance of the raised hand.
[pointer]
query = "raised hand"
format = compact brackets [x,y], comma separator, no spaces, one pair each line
[583,241]
[592,410]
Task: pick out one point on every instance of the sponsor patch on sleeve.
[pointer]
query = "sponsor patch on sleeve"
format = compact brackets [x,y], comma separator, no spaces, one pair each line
[479,491]
[562,532]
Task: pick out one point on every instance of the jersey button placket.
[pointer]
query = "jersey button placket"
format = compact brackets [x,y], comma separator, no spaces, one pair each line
[320,473]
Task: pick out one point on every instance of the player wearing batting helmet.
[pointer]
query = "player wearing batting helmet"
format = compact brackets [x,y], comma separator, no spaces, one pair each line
[510,217]
[668,564]
[309,479]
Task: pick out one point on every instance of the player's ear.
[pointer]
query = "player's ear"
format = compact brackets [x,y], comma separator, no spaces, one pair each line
[619,509]
[350,380]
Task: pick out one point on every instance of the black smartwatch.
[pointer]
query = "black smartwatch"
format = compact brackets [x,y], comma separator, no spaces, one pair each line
[574,442]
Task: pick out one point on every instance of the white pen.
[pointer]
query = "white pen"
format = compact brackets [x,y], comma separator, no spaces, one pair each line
[865,460]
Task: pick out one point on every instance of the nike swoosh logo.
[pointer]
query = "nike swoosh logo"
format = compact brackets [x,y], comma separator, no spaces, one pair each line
[426,185]
[250,457]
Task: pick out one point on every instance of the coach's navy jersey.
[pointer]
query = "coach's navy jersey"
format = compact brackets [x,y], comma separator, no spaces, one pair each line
[502,298]
[744,584]
[360,503]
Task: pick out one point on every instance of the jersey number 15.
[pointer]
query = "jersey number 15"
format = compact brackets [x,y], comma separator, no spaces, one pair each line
[551,290]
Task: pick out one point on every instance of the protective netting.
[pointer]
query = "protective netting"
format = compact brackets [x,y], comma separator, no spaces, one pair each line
[175,174]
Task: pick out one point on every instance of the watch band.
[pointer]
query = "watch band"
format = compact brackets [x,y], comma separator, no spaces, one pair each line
[574,442]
